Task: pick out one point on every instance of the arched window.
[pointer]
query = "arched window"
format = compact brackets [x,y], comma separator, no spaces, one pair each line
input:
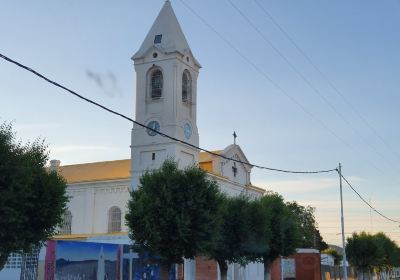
[66,224]
[156,84]
[186,87]
[114,219]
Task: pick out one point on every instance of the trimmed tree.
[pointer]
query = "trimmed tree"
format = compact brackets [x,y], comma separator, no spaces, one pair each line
[240,231]
[174,214]
[258,239]
[310,237]
[32,198]
[362,253]
[388,252]
[284,229]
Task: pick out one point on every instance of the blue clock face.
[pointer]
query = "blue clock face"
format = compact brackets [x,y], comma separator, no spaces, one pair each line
[187,130]
[154,125]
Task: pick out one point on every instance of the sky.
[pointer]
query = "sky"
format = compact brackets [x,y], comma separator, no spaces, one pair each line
[332,96]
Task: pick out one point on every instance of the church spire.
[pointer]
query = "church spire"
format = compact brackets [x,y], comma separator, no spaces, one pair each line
[165,34]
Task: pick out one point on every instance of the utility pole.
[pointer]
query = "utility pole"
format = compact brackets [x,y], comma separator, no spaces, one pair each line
[342,222]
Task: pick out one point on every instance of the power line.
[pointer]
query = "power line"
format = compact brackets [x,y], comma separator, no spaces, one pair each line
[154,130]
[304,78]
[326,78]
[368,204]
[275,84]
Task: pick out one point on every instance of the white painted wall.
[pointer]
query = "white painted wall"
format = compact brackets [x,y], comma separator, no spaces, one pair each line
[252,271]
[169,111]
[90,202]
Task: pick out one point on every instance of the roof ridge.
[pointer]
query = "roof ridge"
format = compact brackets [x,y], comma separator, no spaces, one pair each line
[95,162]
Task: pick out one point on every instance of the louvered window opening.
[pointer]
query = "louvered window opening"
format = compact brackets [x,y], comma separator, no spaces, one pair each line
[67,222]
[114,220]
[156,84]
[186,87]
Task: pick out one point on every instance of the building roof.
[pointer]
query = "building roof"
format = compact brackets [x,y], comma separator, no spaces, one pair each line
[120,170]
[109,170]
[96,171]
[172,38]
[206,157]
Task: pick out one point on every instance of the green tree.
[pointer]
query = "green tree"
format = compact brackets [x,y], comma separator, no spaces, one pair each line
[259,235]
[388,251]
[32,199]
[363,253]
[396,259]
[174,214]
[284,229]
[240,232]
[310,236]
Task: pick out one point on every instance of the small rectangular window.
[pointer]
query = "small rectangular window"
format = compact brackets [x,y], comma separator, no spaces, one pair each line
[153,156]
[157,39]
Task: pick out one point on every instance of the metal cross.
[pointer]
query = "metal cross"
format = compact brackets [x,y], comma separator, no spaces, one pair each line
[234,137]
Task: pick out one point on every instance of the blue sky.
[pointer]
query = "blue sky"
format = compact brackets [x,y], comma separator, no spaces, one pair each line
[354,43]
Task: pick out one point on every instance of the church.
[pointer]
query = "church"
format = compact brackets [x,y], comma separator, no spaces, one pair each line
[166,93]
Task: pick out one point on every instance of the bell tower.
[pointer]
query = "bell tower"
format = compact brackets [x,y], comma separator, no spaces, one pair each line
[166,93]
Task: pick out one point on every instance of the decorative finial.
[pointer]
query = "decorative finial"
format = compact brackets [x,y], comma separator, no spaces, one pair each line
[234,137]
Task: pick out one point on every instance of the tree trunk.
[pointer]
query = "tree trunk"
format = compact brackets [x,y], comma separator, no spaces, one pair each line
[164,271]
[267,275]
[3,260]
[223,268]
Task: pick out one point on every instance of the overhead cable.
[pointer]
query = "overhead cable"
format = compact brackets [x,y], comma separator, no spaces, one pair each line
[325,77]
[154,130]
[368,204]
[275,84]
[304,78]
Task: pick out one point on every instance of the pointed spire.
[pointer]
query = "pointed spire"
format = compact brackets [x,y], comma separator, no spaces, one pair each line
[165,33]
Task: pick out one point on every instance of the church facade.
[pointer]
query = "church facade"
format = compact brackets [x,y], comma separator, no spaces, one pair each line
[166,94]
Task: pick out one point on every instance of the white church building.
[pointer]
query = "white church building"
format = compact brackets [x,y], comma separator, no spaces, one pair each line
[166,93]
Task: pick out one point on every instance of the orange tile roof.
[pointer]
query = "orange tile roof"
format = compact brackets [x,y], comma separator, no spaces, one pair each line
[204,157]
[120,169]
[110,170]
[96,171]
